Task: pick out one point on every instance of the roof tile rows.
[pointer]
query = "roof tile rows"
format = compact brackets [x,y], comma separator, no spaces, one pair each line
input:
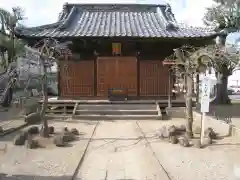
[116,21]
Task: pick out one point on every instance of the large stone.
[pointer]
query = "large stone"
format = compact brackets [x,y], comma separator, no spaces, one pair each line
[183,141]
[65,129]
[33,118]
[20,139]
[163,132]
[33,130]
[172,130]
[58,140]
[181,128]
[173,139]
[209,132]
[30,143]
[74,131]
[68,137]
[208,141]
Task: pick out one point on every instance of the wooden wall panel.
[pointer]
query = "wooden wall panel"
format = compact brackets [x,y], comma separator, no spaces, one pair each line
[153,78]
[116,72]
[77,78]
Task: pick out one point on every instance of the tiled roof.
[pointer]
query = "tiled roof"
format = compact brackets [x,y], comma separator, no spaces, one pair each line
[121,20]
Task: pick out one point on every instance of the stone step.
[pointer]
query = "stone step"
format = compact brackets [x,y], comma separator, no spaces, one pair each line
[116,117]
[117,107]
[117,112]
[174,112]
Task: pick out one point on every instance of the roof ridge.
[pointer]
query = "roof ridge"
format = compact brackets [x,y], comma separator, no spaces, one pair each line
[186,26]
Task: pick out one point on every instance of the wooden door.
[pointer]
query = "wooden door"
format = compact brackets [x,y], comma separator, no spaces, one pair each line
[153,78]
[77,78]
[116,72]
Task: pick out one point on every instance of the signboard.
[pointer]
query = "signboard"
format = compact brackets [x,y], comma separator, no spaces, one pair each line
[205,96]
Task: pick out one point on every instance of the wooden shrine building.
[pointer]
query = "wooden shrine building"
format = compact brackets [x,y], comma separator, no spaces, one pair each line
[118,46]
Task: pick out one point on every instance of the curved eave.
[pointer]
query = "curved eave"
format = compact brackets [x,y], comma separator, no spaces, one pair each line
[120,37]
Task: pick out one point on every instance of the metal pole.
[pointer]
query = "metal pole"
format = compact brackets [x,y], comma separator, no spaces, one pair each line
[202,127]
[169,90]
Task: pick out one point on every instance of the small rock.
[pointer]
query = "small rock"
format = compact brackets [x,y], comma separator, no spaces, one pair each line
[183,141]
[58,140]
[197,130]
[51,130]
[30,143]
[164,132]
[33,118]
[74,131]
[172,130]
[197,143]
[208,141]
[33,130]
[68,137]
[20,139]
[210,133]
[65,129]
[173,139]
[182,128]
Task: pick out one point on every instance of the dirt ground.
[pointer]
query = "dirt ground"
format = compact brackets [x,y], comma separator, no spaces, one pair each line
[119,151]
[48,162]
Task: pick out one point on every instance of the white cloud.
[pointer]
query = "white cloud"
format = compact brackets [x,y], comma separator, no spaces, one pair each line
[191,11]
[46,11]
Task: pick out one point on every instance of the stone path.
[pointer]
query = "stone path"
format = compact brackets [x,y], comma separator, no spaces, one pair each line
[118,151]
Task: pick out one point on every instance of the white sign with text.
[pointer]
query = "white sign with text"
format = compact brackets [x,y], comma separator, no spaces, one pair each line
[205,96]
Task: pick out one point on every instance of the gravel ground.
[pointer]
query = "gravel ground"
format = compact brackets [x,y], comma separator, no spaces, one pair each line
[119,152]
[215,162]
[46,162]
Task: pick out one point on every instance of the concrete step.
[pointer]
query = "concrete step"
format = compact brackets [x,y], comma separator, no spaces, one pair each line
[117,107]
[176,112]
[116,117]
[117,112]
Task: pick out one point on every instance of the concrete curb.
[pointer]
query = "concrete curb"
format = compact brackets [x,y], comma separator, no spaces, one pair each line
[221,126]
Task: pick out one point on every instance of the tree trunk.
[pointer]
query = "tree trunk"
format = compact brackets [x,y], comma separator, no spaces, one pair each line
[197,88]
[189,110]
[221,90]
[44,128]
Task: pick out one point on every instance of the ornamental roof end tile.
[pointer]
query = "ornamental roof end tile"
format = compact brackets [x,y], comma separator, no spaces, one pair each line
[116,20]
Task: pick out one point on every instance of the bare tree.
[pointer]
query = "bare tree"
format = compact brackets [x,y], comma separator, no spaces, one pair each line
[48,51]
[190,61]
[185,67]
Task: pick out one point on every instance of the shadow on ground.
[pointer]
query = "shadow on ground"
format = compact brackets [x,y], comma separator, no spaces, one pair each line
[223,112]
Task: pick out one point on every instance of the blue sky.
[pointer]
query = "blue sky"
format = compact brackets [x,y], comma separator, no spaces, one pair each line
[46,11]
